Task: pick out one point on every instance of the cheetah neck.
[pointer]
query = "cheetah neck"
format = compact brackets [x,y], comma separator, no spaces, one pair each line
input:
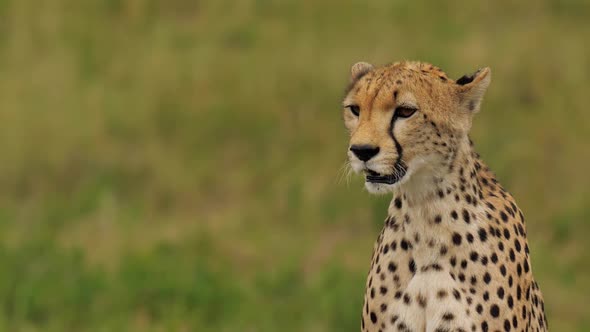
[458,178]
[426,216]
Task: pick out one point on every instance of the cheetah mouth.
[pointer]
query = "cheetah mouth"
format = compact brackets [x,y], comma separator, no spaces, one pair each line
[374,177]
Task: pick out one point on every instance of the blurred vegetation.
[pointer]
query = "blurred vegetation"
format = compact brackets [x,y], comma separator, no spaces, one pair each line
[177,165]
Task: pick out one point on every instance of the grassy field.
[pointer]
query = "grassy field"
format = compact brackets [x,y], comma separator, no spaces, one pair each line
[177,165]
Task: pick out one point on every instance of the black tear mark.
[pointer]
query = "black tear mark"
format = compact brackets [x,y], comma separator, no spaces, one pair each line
[395,94]
[398,146]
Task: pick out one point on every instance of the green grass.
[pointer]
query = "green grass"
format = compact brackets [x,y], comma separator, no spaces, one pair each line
[175,165]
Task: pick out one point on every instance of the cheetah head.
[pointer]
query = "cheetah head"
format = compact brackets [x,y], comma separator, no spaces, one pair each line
[407,121]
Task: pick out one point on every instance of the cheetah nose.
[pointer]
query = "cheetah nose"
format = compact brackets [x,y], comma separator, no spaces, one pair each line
[364,152]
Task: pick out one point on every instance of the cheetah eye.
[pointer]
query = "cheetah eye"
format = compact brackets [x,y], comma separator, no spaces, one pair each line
[405,111]
[355,109]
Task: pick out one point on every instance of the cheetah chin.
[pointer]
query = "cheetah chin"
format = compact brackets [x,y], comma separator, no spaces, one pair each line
[377,183]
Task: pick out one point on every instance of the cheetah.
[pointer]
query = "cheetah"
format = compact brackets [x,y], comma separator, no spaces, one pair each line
[452,255]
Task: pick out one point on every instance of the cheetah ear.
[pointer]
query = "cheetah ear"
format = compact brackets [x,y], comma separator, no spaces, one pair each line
[473,87]
[359,70]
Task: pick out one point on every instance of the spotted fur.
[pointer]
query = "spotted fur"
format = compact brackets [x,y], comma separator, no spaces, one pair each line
[453,254]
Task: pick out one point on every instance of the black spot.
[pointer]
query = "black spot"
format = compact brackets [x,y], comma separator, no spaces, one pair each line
[421,300]
[473,256]
[494,258]
[503,216]
[391,267]
[438,220]
[487,278]
[471,105]
[448,316]
[466,216]
[479,309]
[456,239]
[454,215]
[500,292]
[373,318]
[404,244]
[407,299]
[394,319]
[412,266]
[398,203]
[483,235]
[494,310]
[517,245]
[484,260]
[468,198]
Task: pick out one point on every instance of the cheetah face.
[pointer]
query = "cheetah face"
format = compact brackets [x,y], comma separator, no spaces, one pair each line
[407,121]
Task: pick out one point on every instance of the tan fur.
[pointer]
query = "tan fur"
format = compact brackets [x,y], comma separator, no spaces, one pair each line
[453,254]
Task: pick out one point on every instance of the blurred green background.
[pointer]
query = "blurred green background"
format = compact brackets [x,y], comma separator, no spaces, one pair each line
[177,165]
